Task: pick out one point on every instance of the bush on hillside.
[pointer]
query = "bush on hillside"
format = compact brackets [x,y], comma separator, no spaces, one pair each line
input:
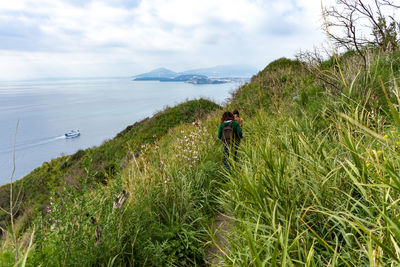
[283,63]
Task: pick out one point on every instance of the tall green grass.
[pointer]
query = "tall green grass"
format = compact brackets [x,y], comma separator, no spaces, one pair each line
[317,187]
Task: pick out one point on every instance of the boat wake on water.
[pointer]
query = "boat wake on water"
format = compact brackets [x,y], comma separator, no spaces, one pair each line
[33,143]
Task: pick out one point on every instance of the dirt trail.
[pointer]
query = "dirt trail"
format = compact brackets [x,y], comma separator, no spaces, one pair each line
[221,229]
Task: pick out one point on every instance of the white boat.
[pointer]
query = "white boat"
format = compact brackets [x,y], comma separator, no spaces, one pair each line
[72,134]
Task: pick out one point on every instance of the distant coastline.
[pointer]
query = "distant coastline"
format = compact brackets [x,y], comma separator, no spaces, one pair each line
[214,75]
[197,80]
[193,79]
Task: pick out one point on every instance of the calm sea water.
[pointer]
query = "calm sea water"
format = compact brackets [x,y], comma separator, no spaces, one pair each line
[99,108]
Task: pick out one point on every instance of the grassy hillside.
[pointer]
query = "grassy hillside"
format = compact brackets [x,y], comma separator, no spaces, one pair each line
[87,168]
[316,183]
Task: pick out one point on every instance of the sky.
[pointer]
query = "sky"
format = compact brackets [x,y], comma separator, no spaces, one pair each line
[103,38]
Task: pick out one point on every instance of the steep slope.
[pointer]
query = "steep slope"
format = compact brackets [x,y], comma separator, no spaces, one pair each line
[91,166]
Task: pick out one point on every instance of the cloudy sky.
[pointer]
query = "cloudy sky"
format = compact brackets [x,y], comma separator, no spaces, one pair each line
[94,38]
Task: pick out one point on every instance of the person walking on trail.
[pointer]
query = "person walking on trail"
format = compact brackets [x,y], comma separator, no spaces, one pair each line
[229,133]
[237,117]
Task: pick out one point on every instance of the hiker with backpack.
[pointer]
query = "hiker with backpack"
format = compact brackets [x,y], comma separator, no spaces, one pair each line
[230,134]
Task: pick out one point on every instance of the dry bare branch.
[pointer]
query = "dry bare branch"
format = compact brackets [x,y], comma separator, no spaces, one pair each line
[120,200]
[12,198]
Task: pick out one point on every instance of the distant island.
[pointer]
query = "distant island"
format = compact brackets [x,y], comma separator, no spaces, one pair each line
[189,78]
[214,75]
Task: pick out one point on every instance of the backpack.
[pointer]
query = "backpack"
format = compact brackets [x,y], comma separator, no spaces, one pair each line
[227,134]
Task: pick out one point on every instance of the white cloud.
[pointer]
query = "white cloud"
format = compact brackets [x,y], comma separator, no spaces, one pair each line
[12,5]
[104,37]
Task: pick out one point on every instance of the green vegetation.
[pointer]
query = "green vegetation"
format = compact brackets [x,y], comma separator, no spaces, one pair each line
[317,182]
[85,170]
[98,164]
[320,187]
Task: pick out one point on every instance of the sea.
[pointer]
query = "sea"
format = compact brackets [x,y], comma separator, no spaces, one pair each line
[37,114]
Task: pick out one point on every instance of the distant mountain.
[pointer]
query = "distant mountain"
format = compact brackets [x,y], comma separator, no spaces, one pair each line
[158,73]
[223,71]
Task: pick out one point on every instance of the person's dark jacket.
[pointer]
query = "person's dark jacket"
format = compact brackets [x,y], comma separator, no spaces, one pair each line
[235,127]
